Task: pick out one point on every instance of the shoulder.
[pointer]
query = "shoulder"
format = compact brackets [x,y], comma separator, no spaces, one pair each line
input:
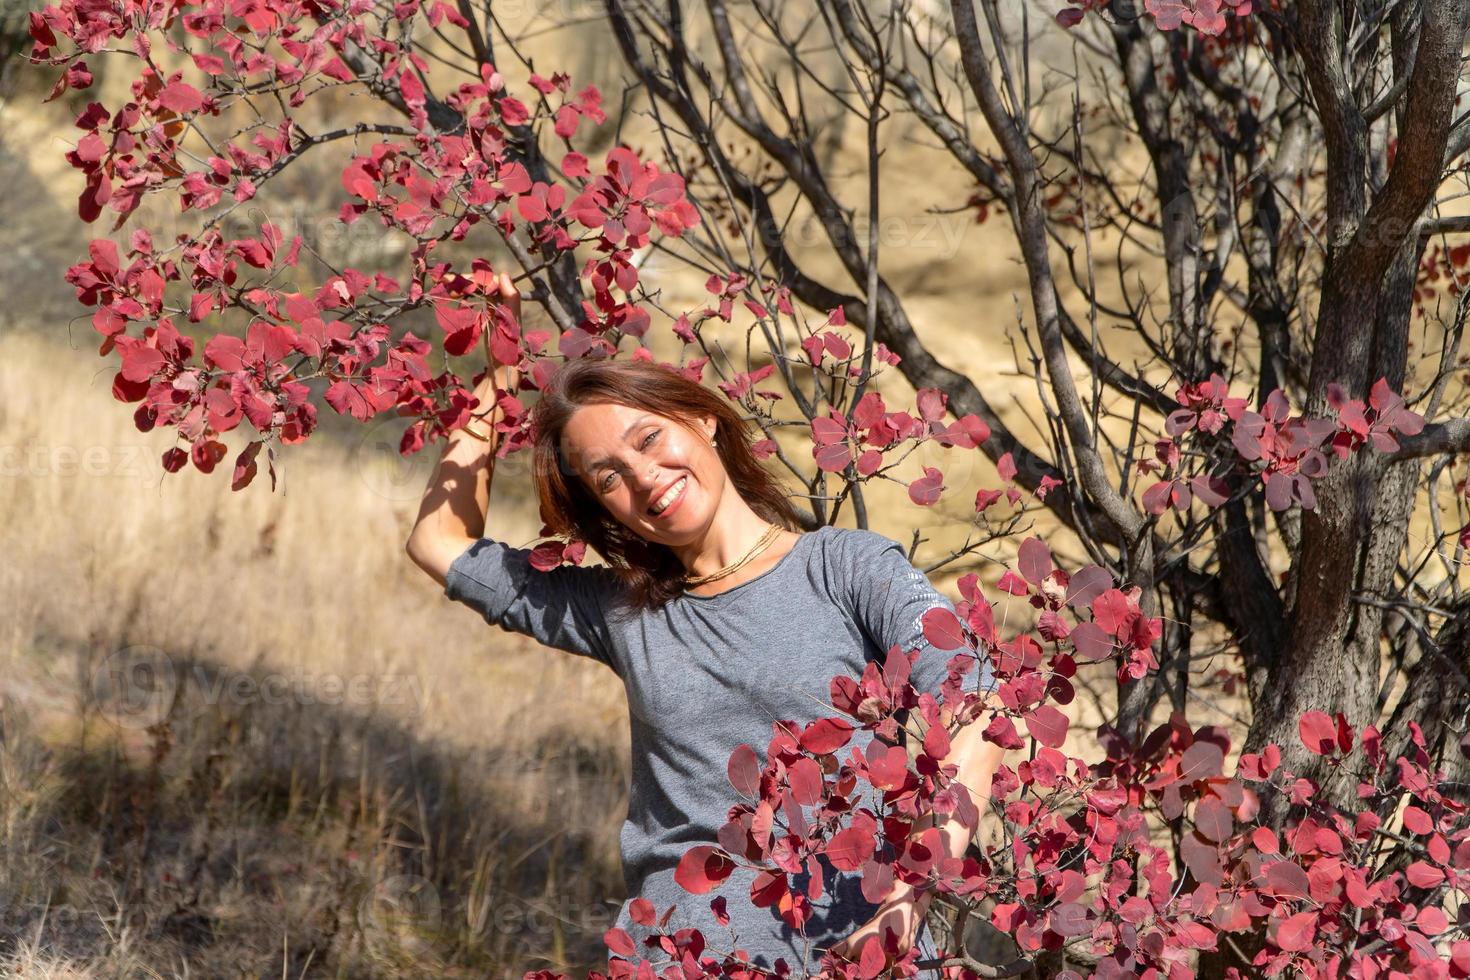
[858,557]
[856,542]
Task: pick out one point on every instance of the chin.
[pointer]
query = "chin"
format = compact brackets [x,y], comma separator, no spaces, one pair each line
[682,530]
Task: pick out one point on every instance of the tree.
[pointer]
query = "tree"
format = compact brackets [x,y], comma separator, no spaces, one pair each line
[1295,208]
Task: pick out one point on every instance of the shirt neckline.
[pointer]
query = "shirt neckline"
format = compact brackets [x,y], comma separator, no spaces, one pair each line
[800,538]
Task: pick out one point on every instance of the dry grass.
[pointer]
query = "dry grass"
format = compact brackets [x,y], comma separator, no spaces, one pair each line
[324,738]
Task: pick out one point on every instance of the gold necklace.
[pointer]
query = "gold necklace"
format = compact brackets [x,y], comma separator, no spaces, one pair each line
[765,539]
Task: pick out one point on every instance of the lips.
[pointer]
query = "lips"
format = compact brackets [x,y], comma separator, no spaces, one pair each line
[665,489]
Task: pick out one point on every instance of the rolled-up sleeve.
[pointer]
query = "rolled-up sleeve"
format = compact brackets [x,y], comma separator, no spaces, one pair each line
[566,608]
[889,597]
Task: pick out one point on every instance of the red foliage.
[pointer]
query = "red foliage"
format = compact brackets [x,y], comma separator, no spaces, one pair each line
[1327,901]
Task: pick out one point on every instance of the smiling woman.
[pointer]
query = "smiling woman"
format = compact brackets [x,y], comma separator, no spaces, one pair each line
[724,623]
[655,472]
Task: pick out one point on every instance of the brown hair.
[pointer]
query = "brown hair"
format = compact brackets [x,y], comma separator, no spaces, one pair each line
[651,571]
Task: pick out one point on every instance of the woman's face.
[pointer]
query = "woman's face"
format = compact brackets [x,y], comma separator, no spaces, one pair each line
[634,461]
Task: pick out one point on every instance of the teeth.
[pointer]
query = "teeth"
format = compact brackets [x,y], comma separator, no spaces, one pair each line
[668,496]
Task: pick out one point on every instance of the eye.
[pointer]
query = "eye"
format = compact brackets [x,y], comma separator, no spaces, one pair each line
[648,440]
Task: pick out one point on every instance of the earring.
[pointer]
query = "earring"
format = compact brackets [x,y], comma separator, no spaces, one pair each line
[711,442]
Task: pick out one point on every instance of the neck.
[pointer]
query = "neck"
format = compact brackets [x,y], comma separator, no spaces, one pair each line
[731,534]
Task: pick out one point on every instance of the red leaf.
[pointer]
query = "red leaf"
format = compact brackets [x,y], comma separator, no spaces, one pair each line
[1431,921]
[931,403]
[461,325]
[574,165]
[1202,859]
[873,959]
[347,398]
[744,771]
[887,766]
[832,458]
[1034,560]
[1201,761]
[926,489]
[1212,490]
[806,781]
[1013,583]
[1047,725]
[140,362]
[1286,879]
[641,911]
[1295,933]
[849,848]
[936,742]
[206,453]
[1344,733]
[825,735]
[181,97]
[1422,874]
[1091,643]
[245,466]
[1318,732]
[701,868]
[619,942]
[1212,818]
[1087,584]
[942,629]
[1417,821]
[1156,499]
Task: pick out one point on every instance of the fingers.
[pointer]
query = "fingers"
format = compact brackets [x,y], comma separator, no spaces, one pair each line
[504,287]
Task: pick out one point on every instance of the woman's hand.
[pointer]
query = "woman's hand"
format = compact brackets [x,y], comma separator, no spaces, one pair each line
[497,377]
[901,915]
[510,298]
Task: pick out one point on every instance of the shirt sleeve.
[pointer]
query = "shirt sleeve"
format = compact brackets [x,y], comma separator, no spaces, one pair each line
[889,597]
[565,608]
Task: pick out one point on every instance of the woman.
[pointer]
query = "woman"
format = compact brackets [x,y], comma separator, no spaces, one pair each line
[718,614]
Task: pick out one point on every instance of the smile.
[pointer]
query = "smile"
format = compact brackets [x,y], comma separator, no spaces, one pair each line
[674,493]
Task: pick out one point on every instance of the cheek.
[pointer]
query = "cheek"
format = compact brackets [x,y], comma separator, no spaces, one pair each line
[711,469]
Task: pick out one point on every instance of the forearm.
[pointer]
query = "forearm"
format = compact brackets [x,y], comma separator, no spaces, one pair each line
[976,761]
[458,493]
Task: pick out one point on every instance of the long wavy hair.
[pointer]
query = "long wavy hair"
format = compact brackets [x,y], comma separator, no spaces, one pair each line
[651,572]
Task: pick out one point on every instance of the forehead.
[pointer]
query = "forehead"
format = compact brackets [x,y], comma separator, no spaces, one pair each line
[597,431]
[596,424]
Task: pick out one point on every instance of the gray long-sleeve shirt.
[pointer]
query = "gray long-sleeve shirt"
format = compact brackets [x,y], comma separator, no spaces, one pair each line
[705,674]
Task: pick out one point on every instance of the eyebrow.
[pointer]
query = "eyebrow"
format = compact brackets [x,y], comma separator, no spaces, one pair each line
[603,461]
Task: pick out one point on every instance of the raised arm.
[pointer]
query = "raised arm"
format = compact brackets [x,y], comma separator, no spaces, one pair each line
[566,608]
[452,512]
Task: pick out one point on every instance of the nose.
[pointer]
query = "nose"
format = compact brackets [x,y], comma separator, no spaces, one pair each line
[649,480]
